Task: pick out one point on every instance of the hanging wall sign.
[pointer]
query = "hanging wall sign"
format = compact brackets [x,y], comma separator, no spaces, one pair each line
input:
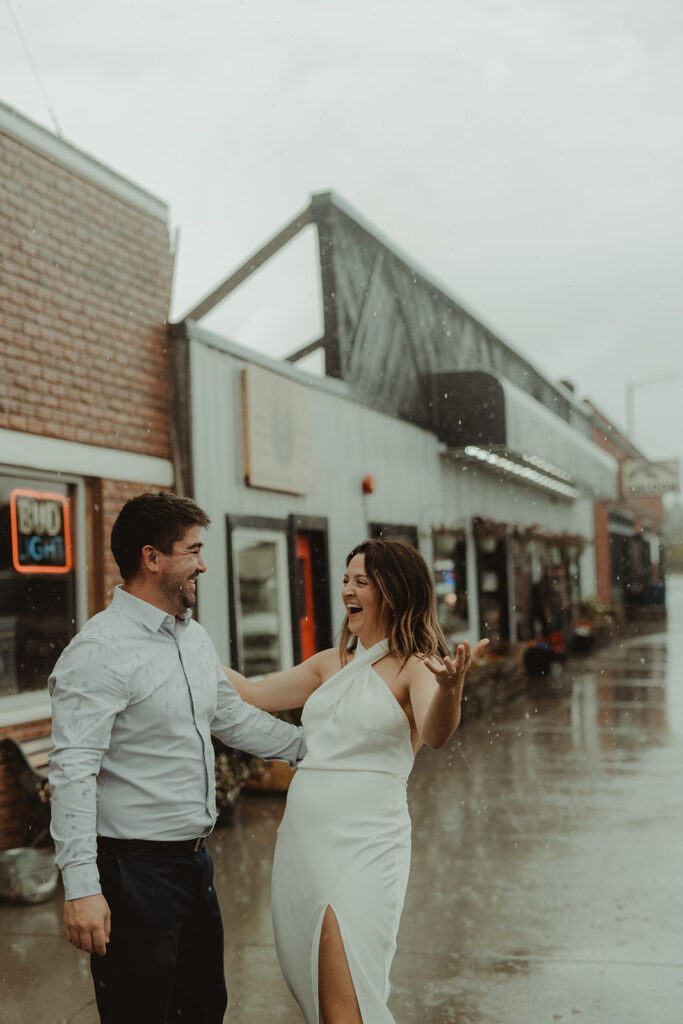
[41,532]
[643,479]
[277,418]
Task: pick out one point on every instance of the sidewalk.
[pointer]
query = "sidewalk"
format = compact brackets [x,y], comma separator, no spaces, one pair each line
[545,886]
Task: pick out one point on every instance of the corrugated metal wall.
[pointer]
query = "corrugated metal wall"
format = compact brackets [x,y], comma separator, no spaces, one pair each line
[415,484]
[351,441]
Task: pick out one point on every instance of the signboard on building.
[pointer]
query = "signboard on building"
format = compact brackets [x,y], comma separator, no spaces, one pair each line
[41,532]
[643,479]
[277,416]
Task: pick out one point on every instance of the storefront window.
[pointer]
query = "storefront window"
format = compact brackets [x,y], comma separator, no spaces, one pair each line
[37,580]
[450,582]
[262,605]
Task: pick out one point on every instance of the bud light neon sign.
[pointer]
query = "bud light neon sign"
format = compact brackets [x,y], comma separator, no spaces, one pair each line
[41,532]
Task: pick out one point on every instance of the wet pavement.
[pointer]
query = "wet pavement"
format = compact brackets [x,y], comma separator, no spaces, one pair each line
[546,877]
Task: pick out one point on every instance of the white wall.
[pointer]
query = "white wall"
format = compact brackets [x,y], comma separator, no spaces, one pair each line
[415,484]
[351,441]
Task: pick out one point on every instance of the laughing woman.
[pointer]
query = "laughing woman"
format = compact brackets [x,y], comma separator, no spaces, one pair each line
[343,848]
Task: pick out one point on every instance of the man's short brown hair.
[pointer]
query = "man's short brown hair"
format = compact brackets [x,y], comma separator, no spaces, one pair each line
[157,519]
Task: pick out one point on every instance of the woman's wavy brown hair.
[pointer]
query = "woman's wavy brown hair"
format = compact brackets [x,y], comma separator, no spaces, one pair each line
[407,609]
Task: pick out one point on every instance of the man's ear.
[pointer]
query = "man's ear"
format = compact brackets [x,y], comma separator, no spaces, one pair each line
[150,558]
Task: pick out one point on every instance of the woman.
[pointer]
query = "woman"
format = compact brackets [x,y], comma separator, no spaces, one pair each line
[343,849]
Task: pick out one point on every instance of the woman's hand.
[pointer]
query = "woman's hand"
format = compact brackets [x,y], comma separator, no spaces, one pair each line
[437,707]
[452,672]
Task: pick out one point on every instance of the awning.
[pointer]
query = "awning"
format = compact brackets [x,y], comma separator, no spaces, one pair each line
[485,419]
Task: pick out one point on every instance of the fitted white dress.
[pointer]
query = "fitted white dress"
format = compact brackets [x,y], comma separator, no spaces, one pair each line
[344,840]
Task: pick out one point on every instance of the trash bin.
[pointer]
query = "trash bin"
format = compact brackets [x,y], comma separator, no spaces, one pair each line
[27,875]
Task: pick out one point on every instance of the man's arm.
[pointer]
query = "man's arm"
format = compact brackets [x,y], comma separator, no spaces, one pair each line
[244,727]
[86,696]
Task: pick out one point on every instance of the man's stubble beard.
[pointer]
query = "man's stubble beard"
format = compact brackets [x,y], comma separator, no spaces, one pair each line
[181,596]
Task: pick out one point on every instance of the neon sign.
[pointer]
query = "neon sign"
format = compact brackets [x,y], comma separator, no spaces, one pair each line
[41,532]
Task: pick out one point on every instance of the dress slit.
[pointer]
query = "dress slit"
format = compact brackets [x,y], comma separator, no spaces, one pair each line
[315,959]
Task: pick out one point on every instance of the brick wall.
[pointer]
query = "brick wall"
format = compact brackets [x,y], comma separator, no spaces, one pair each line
[652,508]
[85,280]
[14,799]
[645,512]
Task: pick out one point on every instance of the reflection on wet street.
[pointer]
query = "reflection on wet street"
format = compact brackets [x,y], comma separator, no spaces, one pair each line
[545,885]
[550,888]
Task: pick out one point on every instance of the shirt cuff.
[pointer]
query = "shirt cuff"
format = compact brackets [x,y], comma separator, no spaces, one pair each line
[81,880]
[296,751]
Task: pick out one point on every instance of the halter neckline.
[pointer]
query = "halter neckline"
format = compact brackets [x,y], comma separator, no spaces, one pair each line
[382,645]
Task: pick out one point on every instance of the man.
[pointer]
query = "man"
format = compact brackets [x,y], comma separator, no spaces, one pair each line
[135,698]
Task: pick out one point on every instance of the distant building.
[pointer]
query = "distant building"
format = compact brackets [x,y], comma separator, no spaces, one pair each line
[628,532]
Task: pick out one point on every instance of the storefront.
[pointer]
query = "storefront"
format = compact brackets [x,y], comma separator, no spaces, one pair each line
[304,472]
[55,565]
[630,573]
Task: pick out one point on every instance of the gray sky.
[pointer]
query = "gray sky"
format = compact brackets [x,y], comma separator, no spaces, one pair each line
[527,154]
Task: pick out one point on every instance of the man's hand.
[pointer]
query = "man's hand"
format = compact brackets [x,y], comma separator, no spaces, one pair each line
[87,923]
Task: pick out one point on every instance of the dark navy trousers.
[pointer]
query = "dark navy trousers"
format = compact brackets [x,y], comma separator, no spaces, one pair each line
[164,961]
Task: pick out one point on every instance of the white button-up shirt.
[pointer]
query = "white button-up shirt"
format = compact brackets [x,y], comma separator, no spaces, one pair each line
[135,698]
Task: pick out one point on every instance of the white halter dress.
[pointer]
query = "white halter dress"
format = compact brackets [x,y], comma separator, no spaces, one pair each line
[344,840]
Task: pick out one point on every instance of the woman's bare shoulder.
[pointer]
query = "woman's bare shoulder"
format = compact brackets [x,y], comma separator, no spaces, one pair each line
[327,662]
[393,669]
[415,669]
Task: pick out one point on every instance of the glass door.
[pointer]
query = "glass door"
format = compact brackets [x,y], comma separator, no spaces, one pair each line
[263,640]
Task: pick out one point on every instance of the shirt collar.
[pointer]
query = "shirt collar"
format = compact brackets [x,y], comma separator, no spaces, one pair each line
[144,612]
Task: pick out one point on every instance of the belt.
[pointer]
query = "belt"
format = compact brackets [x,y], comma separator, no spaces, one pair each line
[152,847]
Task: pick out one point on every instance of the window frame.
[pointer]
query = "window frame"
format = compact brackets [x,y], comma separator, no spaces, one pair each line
[26,704]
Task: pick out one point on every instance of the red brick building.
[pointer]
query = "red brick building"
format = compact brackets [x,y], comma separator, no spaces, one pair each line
[85,411]
[627,531]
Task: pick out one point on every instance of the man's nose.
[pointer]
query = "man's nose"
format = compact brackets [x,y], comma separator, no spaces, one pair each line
[201,564]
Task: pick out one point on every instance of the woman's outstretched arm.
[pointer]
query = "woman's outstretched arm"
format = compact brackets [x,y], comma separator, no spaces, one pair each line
[436,693]
[288,689]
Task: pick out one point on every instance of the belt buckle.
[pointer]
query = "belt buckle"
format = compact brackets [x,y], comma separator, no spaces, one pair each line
[199,843]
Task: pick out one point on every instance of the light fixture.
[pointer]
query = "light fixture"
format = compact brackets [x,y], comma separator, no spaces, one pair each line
[531,475]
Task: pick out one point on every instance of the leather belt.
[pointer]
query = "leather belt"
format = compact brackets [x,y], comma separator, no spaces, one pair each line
[152,847]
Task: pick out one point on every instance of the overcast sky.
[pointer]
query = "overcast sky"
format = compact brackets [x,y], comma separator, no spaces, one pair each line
[527,154]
